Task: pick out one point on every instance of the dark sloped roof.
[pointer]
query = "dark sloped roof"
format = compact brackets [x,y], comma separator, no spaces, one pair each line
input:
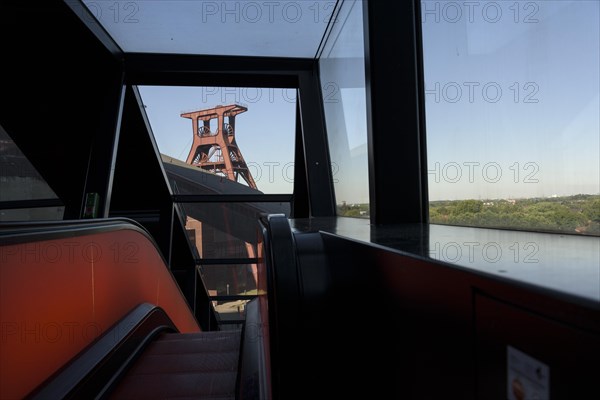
[238,219]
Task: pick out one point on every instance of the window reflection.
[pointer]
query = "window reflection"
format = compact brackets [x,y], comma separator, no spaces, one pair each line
[512,98]
[343,86]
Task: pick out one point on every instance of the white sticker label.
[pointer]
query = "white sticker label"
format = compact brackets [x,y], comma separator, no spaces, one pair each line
[528,378]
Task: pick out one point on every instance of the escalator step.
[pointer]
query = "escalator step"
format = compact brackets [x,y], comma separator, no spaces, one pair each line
[200,365]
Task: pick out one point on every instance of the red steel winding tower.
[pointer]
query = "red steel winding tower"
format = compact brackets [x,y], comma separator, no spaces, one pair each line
[218,151]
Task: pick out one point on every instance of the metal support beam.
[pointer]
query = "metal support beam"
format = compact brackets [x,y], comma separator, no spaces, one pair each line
[103,153]
[396,135]
[198,70]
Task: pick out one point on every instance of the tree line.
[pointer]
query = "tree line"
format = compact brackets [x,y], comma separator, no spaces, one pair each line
[579,214]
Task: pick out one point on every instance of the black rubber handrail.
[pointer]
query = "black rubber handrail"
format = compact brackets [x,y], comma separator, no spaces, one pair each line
[284,297]
[20,232]
[95,370]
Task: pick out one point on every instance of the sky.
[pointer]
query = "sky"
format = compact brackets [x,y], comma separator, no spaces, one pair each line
[512,104]
[265,133]
[512,98]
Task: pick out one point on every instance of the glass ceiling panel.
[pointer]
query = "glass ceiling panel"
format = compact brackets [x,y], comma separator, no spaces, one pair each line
[239,28]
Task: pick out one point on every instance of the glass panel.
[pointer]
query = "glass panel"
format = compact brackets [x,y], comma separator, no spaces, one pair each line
[20,181]
[512,99]
[32,214]
[342,67]
[243,28]
[231,310]
[230,280]
[226,230]
[205,134]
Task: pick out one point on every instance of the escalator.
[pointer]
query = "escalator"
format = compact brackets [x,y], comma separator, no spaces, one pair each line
[91,310]
[192,365]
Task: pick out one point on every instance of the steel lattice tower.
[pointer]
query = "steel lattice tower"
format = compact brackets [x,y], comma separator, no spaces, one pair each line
[218,151]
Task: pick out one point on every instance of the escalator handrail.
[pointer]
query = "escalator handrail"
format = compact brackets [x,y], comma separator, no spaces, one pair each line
[21,232]
[96,369]
[284,298]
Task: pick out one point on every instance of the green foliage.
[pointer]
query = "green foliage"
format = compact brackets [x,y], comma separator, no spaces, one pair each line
[467,207]
[575,214]
[592,210]
[578,214]
[353,210]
